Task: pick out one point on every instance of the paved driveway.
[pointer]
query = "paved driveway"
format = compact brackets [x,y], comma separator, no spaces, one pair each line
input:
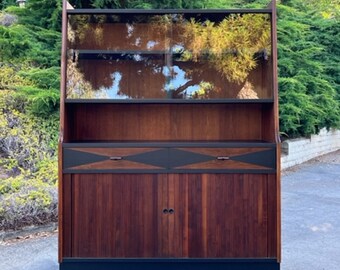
[310,225]
[311,218]
[31,254]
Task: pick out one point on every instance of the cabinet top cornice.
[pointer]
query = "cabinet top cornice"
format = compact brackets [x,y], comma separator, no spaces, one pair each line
[168,11]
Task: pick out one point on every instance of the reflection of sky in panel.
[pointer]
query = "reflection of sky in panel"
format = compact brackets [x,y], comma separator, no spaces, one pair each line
[129,30]
[138,42]
[112,92]
[151,44]
[137,57]
[177,80]
[173,82]
[177,48]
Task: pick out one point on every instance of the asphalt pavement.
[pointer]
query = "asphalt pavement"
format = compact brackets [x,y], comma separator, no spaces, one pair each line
[311,218]
[31,254]
[310,225]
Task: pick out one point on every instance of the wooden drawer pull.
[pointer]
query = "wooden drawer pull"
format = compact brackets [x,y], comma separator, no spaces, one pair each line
[222,158]
[116,158]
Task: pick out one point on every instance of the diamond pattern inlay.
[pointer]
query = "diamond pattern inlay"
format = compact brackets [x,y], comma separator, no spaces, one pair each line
[73,158]
[181,158]
[265,158]
[169,158]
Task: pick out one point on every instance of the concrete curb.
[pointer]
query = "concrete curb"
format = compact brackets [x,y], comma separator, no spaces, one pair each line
[298,151]
[26,231]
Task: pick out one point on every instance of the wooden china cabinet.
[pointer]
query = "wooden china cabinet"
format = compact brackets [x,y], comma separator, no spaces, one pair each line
[169,146]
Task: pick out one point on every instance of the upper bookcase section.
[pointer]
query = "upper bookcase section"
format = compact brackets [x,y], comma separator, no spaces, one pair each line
[168,55]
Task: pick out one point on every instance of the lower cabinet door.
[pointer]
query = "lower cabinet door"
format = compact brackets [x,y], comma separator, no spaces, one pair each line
[116,215]
[169,215]
[218,215]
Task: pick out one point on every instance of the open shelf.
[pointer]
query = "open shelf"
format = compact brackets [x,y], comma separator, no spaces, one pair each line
[168,122]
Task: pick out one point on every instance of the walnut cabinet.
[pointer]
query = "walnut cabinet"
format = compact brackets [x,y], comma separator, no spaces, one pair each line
[169,147]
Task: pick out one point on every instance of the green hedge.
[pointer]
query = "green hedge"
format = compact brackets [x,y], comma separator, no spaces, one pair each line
[309,88]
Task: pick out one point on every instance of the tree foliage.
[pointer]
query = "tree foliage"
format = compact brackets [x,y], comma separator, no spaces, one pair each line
[308,73]
[231,44]
[35,46]
[42,13]
[29,104]
[6,3]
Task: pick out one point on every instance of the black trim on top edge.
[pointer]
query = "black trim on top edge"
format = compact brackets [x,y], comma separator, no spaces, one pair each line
[167,11]
[169,264]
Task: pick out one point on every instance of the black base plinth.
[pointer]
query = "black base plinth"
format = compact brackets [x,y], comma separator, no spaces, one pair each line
[169,264]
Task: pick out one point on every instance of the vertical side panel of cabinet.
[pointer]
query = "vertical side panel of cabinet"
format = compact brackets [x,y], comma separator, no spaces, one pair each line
[115,215]
[219,215]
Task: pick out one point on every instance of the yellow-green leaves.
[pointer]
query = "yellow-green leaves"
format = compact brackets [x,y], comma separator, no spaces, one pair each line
[230,46]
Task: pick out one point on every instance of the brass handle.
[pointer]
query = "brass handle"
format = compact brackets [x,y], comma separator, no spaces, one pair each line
[223,158]
[116,158]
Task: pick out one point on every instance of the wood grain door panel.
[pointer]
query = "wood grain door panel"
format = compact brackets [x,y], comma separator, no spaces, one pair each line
[218,216]
[116,215]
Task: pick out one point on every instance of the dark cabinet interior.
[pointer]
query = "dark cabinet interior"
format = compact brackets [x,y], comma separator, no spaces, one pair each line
[169,149]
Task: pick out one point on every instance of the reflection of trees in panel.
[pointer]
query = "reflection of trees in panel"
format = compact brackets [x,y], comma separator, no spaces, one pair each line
[110,32]
[76,85]
[167,56]
[247,92]
[210,84]
[229,46]
[149,79]
[118,79]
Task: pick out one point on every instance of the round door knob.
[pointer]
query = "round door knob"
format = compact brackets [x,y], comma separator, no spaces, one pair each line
[165,211]
[171,211]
